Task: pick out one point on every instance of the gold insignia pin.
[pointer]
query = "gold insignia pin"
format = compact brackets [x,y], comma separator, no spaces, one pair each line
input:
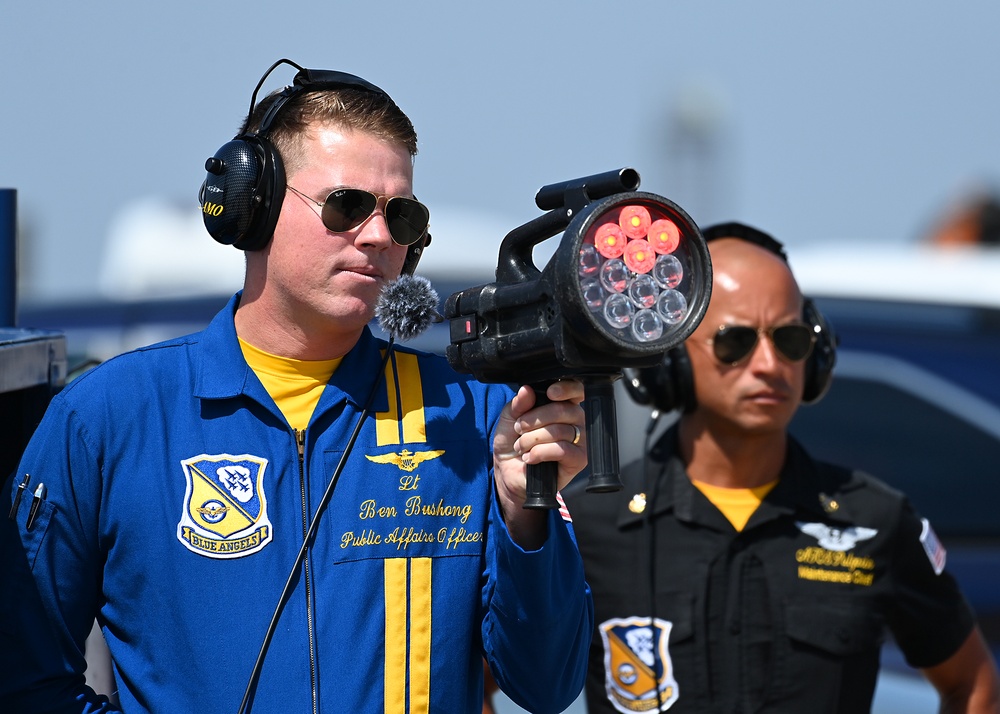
[829,504]
[406,460]
[638,503]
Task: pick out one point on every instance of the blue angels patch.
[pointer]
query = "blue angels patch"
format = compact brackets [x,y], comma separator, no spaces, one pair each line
[638,672]
[225,510]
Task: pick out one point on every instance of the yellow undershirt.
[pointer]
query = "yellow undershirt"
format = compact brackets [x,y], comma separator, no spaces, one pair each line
[736,504]
[295,385]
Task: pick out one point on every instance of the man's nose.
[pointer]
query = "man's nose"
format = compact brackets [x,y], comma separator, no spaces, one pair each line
[764,355]
[375,229]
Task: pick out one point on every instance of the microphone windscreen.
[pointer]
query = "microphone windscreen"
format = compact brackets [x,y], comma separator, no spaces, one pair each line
[407,306]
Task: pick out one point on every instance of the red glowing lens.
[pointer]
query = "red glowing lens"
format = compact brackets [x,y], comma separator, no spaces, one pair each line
[631,268]
[635,221]
[610,240]
[664,236]
[639,256]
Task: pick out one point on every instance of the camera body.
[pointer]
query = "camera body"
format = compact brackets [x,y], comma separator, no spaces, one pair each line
[630,279]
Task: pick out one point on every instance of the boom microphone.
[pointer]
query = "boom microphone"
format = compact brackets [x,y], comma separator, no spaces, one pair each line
[407,306]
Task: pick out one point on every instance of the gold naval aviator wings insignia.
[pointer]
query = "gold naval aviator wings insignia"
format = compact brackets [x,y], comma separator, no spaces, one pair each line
[406,460]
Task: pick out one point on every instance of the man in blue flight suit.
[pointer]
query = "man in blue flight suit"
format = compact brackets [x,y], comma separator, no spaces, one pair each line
[183,479]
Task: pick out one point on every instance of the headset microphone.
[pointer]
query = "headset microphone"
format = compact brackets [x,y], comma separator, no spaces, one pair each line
[407,306]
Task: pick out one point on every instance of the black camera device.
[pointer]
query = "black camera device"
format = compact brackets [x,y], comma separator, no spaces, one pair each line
[630,279]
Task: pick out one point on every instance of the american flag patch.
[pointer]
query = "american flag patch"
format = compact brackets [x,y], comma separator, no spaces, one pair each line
[563,510]
[932,546]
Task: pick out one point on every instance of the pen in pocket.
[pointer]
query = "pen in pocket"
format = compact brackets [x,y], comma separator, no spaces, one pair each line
[17,496]
[36,502]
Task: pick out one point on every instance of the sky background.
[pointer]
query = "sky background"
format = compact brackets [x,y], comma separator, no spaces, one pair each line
[835,123]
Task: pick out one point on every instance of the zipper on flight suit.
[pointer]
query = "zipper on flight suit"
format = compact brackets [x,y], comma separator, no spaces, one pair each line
[300,444]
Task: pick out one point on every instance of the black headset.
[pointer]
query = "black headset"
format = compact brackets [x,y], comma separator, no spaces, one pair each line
[670,385]
[242,195]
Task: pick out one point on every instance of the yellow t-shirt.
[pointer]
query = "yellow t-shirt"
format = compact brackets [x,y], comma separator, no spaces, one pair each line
[736,504]
[295,385]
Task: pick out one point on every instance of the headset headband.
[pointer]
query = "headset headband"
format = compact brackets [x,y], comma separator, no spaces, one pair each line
[735,229]
[311,80]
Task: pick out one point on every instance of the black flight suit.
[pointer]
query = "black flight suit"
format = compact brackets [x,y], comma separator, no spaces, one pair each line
[786,616]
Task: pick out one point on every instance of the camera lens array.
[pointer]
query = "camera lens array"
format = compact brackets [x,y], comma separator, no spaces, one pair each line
[629,274]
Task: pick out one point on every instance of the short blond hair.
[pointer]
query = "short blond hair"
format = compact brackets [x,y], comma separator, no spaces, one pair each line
[355,109]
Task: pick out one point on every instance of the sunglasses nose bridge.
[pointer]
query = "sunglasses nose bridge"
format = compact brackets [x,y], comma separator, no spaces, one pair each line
[376,221]
[380,204]
[764,349]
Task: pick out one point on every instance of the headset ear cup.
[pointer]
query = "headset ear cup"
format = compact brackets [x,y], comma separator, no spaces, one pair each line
[819,366]
[667,387]
[640,383]
[228,192]
[682,380]
[242,193]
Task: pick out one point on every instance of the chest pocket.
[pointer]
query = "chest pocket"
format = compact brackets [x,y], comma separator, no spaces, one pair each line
[829,649]
[834,630]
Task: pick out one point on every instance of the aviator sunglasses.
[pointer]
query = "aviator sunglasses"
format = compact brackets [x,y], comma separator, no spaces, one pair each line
[733,343]
[347,208]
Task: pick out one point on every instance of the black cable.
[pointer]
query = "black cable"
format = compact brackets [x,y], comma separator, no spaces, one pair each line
[311,534]
[651,487]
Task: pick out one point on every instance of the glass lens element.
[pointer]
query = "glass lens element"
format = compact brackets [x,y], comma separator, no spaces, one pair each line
[347,208]
[672,306]
[593,293]
[614,275]
[647,326]
[618,311]
[795,342]
[407,219]
[668,271]
[590,260]
[643,291]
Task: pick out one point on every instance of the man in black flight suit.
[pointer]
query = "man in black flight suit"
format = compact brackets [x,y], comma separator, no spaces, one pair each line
[734,573]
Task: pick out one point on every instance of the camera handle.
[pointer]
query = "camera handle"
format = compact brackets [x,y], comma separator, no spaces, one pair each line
[602,446]
[541,478]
